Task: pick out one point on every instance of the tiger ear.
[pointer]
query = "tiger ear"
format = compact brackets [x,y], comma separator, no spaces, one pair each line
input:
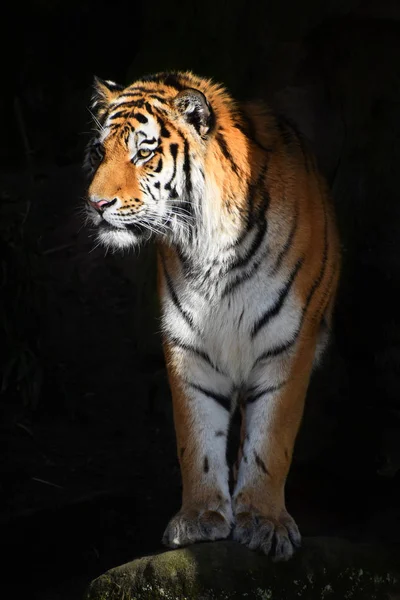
[104,91]
[195,108]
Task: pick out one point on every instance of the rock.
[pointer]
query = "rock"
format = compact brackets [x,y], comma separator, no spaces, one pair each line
[325,568]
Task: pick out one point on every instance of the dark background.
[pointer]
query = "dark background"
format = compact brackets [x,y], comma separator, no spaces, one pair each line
[89,476]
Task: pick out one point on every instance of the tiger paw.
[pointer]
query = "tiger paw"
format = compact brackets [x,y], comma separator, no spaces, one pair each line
[276,538]
[188,527]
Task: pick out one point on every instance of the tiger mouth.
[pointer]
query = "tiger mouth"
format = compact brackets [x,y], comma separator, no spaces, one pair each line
[135,228]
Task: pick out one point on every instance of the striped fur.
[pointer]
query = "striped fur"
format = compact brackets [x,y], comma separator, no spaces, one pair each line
[248,269]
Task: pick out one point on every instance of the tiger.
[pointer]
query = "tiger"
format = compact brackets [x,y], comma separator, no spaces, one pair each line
[248,263]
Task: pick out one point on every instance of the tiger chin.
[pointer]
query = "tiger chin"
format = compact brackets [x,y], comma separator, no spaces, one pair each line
[248,267]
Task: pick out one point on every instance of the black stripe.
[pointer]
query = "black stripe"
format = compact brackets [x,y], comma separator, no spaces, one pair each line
[223,401]
[251,220]
[243,261]
[243,129]
[246,127]
[273,352]
[277,350]
[121,114]
[285,131]
[175,129]
[288,244]
[159,99]
[187,317]
[172,81]
[159,166]
[131,94]
[164,132]
[165,78]
[174,152]
[260,463]
[139,103]
[251,195]
[141,118]
[251,137]
[161,111]
[148,190]
[292,138]
[225,151]
[128,104]
[135,89]
[187,169]
[185,261]
[275,309]
[138,98]
[239,279]
[326,295]
[193,350]
[321,274]
[126,132]
[269,390]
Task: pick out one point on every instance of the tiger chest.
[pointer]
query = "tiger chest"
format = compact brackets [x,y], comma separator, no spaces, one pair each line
[224,327]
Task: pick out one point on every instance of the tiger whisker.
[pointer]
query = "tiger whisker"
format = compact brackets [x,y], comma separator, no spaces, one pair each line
[181,223]
[164,225]
[95,246]
[178,209]
[96,120]
[182,218]
[151,228]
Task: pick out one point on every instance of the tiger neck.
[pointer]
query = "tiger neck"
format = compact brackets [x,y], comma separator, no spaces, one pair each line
[212,239]
[222,207]
[209,255]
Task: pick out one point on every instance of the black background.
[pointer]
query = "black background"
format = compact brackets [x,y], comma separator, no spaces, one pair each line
[89,474]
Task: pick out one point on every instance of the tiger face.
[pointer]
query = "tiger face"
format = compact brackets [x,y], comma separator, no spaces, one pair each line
[146,161]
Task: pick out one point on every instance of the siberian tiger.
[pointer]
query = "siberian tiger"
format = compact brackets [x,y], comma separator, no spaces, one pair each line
[248,265]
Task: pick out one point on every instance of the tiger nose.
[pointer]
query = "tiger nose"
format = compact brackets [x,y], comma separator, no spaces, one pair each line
[101,204]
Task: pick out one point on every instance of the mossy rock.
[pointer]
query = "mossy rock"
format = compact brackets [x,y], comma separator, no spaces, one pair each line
[325,568]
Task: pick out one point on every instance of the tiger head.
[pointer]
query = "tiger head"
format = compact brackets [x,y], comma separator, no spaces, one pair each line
[166,158]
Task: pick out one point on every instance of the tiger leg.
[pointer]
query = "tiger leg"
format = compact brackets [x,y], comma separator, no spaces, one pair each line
[274,408]
[201,402]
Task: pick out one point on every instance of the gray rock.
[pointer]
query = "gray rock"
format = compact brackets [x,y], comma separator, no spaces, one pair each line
[325,568]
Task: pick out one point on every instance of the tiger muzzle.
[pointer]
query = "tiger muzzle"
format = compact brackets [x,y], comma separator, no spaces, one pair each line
[101,205]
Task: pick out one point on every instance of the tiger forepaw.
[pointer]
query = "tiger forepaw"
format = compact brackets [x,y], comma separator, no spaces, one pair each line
[277,538]
[196,526]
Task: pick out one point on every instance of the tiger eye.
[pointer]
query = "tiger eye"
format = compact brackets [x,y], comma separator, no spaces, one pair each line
[144,153]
